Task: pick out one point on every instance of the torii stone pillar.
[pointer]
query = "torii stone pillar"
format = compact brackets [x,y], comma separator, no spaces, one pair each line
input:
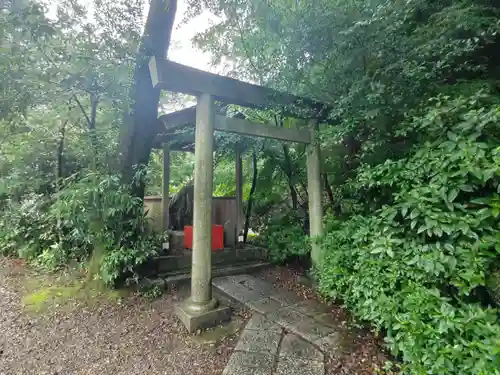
[239,194]
[314,192]
[165,199]
[201,310]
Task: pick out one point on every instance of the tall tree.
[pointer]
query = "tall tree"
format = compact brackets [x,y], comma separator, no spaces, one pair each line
[139,123]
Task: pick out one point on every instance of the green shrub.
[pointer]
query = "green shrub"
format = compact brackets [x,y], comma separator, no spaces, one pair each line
[25,227]
[413,266]
[284,236]
[93,219]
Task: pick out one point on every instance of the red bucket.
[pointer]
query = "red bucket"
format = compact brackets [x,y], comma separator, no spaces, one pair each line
[217,237]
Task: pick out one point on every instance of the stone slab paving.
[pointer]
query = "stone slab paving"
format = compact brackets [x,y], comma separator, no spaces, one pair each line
[286,335]
[257,341]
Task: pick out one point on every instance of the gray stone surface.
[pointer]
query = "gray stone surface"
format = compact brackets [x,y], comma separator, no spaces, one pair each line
[243,295]
[265,305]
[261,323]
[240,278]
[222,281]
[294,346]
[147,283]
[260,285]
[299,366]
[325,319]
[196,320]
[177,240]
[285,297]
[244,363]
[311,330]
[266,342]
[237,291]
[311,308]
[332,345]
[288,318]
[201,269]
[211,338]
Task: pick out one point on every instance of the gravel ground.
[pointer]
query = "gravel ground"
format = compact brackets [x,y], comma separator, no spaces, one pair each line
[365,355]
[101,334]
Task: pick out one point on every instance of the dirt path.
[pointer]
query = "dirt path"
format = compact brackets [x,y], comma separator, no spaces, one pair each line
[46,328]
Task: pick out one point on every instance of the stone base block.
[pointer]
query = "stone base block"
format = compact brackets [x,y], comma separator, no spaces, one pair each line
[194,320]
[176,240]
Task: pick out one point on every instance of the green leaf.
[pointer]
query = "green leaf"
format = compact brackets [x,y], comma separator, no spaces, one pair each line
[378,250]
[467,188]
[496,212]
[413,224]
[449,247]
[452,194]
[484,201]
[404,211]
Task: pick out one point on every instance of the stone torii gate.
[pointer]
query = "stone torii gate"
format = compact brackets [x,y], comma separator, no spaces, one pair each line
[201,310]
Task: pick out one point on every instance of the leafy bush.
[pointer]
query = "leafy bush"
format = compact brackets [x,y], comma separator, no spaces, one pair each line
[93,219]
[24,227]
[413,266]
[285,238]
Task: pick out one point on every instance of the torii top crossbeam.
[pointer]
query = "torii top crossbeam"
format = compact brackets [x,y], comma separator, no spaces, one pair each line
[171,76]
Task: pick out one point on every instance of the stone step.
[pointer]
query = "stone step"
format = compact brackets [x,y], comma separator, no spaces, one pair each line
[306,319]
[182,277]
[182,262]
[265,348]
[185,277]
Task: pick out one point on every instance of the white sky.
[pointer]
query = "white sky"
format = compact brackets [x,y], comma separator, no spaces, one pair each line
[182,49]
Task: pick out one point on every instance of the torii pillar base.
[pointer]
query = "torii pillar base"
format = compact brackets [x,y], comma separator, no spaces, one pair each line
[195,317]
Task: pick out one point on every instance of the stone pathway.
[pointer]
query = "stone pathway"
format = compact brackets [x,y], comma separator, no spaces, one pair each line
[286,335]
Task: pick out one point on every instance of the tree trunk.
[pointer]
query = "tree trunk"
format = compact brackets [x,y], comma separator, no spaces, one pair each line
[289,172]
[294,196]
[329,191]
[138,128]
[94,102]
[59,171]
[250,198]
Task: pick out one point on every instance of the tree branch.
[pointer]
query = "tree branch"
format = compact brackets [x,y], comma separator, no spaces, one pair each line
[83,110]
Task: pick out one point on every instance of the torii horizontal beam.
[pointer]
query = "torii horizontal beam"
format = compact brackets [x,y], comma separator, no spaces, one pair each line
[171,76]
[187,118]
[245,127]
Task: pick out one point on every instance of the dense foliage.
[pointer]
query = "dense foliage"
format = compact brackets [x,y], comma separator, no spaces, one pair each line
[64,83]
[284,237]
[93,218]
[415,266]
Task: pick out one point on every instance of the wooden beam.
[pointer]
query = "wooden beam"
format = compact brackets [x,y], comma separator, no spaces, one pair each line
[186,116]
[168,75]
[176,120]
[182,147]
[245,127]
